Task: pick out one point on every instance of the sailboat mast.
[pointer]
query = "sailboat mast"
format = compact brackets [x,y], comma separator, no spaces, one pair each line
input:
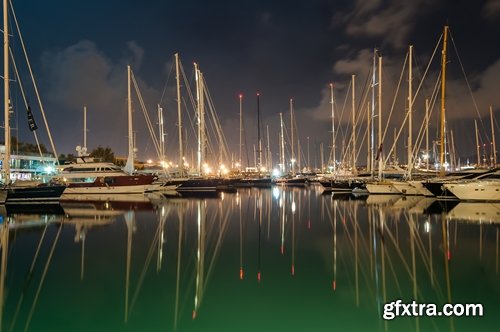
[443,95]
[129,167]
[477,145]
[427,134]
[372,126]
[282,145]
[292,139]
[410,116]
[380,117]
[259,140]
[6,157]
[241,128]
[269,163]
[201,118]
[368,141]
[493,139]
[161,130]
[353,128]
[333,129]
[84,129]
[179,114]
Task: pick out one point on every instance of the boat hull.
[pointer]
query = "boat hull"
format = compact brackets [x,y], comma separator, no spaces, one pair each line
[203,185]
[36,194]
[487,191]
[297,182]
[381,189]
[342,185]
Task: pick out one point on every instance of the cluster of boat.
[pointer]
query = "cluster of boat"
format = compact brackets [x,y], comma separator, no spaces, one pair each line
[86,177]
[467,185]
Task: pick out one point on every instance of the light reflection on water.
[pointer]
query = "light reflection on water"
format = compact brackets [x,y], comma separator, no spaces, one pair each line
[285,259]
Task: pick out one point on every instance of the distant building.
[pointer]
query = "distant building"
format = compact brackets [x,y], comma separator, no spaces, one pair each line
[30,166]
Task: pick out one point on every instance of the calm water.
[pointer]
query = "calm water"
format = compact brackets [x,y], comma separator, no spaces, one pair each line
[256,260]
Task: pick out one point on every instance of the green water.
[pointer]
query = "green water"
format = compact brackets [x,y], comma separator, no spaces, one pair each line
[258,260]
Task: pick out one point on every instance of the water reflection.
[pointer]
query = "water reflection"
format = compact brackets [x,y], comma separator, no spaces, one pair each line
[258,259]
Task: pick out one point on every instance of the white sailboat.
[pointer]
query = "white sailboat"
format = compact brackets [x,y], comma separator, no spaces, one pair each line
[86,177]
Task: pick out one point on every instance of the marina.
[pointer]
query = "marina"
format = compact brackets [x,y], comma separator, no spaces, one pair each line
[331,166]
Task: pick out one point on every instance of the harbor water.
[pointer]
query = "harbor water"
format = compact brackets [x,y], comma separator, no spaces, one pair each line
[280,259]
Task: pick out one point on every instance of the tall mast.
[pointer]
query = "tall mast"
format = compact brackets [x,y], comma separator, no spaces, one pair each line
[372,127]
[493,139]
[292,139]
[354,171]
[269,163]
[161,130]
[333,129]
[299,164]
[380,163]
[6,158]
[443,95]
[179,114]
[129,166]
[308,160]
[85,129]
[322,158]
[368,141]
[427,134]
[477,146]
[201,118]
[282,145]
[259,140]
[241,128]
[410,102]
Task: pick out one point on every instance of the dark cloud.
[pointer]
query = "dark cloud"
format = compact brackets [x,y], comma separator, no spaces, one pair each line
[82,75]
[491,9]
[389,21]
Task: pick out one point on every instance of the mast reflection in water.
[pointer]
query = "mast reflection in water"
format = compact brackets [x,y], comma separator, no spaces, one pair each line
[280,259]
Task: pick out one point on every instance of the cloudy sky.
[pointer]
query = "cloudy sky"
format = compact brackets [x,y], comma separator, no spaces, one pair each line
[79,51]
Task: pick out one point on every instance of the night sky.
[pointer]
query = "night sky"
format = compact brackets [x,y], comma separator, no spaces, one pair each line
[79,51]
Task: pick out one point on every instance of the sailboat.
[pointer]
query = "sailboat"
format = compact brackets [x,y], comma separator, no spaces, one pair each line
[290,179]
[86,177]
[18,192]
[259,180]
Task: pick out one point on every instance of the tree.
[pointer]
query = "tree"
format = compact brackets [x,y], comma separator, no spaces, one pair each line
[66,158]
[104,154]
[18,147]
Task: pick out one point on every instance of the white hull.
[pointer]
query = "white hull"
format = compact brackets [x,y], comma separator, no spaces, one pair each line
[410,188]
[141,189]
[475,190]
[421,190]
[378,188]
